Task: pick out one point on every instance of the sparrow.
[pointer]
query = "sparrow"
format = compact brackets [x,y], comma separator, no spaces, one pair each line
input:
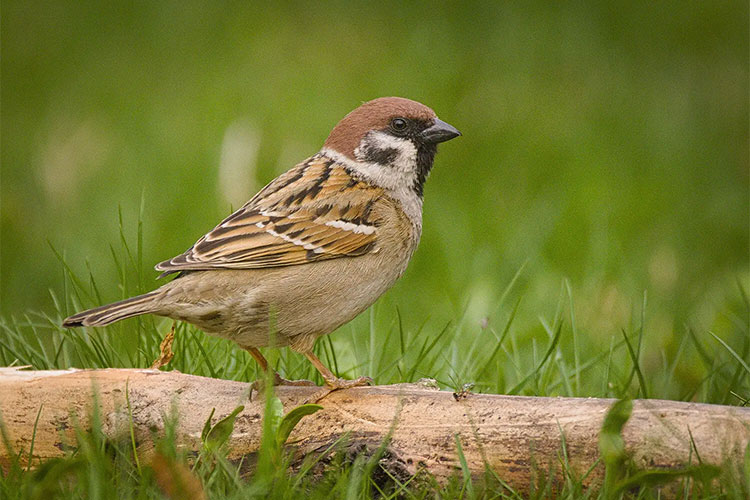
[313,249]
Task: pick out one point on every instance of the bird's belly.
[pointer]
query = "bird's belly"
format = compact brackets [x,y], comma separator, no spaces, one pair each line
[285,306]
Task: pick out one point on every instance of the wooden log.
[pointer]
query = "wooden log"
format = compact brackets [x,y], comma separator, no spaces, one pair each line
[514,435]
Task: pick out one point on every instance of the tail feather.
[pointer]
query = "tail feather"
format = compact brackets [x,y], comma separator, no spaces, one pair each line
[104,315]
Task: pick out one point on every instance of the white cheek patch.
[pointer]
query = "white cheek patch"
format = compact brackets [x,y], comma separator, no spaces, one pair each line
[406,152]
[400,168]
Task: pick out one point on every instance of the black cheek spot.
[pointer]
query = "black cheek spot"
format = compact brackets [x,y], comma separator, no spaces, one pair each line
[384,156]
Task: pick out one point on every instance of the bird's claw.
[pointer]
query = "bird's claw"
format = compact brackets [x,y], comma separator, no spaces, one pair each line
[335,384]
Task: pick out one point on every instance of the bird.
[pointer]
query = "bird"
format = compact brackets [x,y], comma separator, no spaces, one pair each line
[311,250]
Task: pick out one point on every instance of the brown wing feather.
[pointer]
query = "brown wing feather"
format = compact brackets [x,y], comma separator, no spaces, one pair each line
[315,211]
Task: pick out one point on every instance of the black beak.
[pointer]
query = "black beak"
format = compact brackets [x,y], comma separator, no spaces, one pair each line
[439,132]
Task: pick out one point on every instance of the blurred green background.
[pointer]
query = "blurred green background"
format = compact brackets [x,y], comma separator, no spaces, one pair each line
[605,143]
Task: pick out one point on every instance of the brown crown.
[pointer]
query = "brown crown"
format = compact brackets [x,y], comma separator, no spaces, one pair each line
[373,115]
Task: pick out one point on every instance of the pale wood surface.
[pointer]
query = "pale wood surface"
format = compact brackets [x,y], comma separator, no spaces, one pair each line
[513,434]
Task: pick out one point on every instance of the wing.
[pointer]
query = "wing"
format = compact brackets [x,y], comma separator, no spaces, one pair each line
[315,211]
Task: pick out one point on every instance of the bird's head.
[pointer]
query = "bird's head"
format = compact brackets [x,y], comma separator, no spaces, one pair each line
[391,140]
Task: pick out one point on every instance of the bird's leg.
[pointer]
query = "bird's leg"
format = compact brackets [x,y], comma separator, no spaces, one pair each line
[332,381]
[277,379]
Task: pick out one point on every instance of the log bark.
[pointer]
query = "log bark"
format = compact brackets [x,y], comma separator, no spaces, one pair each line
[514,435]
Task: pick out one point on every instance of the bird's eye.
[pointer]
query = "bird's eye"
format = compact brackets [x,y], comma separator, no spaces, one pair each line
[398,124]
